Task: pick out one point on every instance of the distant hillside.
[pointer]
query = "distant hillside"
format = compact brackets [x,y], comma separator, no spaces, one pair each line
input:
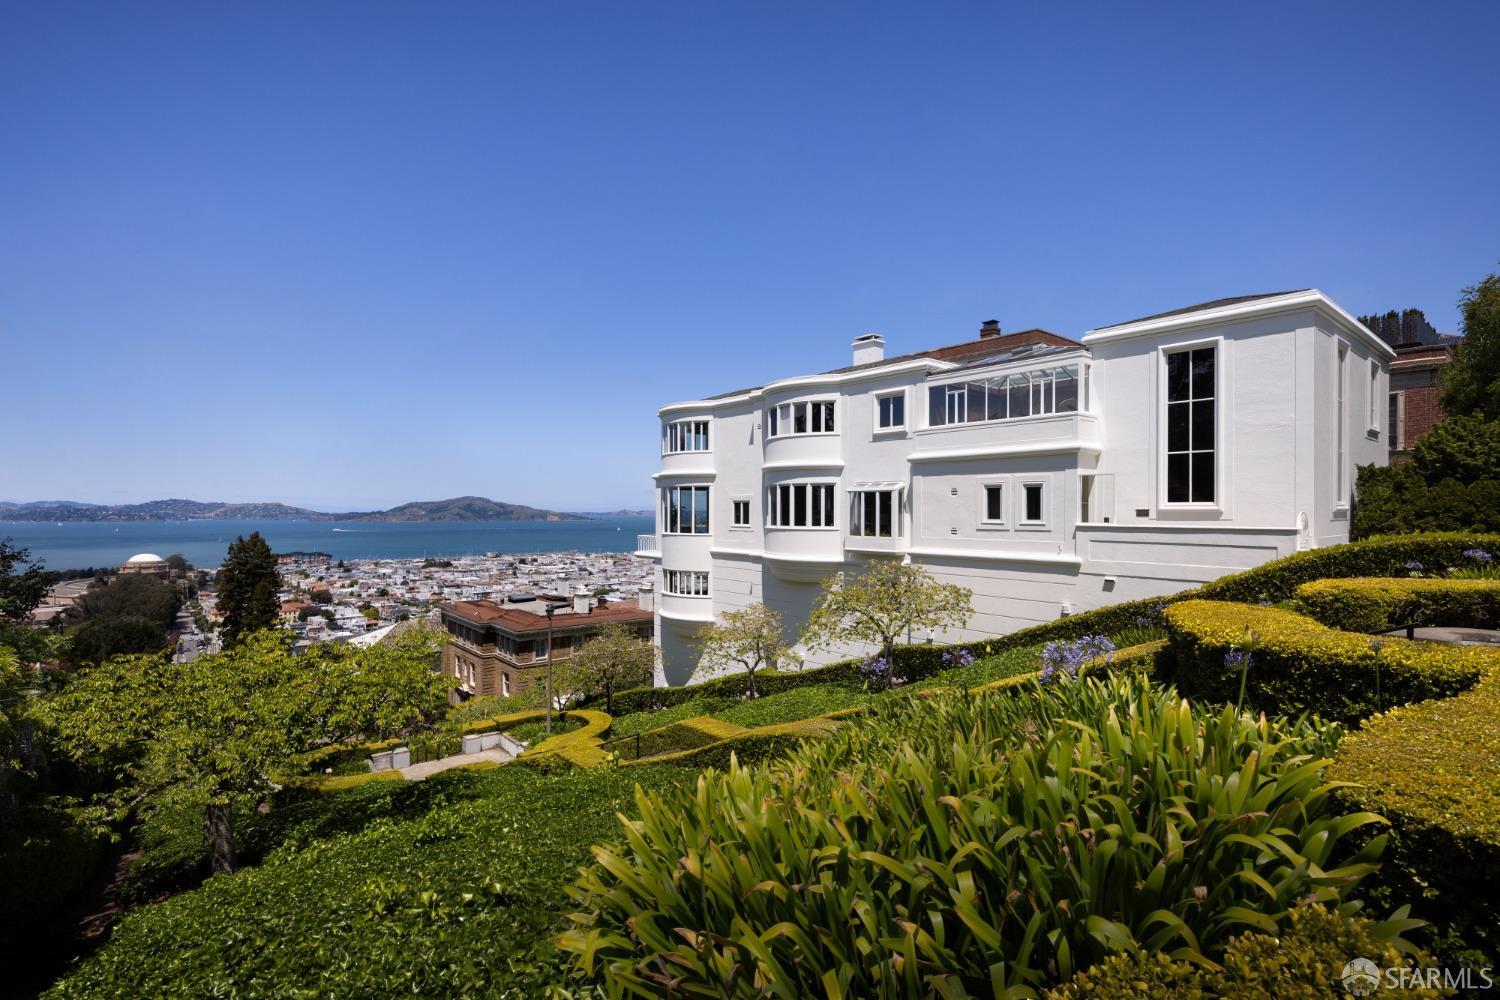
[615,513]
[457,509]
[462,509]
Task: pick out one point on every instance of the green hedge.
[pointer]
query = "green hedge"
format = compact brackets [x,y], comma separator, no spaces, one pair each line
[576,746]
[1380,604]
[1299,665]
[688,734]
[749,746]
[1394,499]
[1274,581]
[1433,770]
[1304,963]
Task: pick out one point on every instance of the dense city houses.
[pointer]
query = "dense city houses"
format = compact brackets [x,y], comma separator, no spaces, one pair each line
[1049,475]
[362,600]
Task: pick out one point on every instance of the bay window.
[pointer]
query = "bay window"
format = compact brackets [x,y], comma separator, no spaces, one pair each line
[685,510]
[685,435]
[800,505]
[684,583]
[800,418]
[1009,397]
[875,511]
[1191,418]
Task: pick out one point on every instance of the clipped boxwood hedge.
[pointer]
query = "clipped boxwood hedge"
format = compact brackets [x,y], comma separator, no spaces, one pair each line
[1278,580]
[1433,770]
[688,734]
[576,746]
[1381,604]
[1299,665]
[748,746]
[1306,962]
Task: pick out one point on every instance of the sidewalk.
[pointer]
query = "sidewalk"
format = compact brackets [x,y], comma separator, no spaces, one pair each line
[418,772]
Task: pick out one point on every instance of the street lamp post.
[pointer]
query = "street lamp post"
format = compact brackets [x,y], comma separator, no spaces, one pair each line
[550,610]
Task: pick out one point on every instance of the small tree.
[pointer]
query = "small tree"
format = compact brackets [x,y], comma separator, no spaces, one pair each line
[1471,384]
[615,659]
[749,638]
[20,591]
[879,605]
[217,733]
[248,582]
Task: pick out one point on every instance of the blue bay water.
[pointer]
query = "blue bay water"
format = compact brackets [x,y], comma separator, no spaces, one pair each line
[75,545]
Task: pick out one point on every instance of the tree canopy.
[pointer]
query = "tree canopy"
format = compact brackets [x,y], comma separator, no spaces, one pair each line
[21,591]
[750,638]
[614,659]
[1471,384]
[880,604]
[218,731]
[247,586]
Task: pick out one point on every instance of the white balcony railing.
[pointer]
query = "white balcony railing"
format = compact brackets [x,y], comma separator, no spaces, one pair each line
[646,545]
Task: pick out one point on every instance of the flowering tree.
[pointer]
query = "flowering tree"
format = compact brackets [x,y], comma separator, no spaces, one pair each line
[614,659]
[882,603]
[749,638]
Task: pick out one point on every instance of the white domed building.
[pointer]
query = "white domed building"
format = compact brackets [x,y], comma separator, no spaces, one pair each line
[149,563]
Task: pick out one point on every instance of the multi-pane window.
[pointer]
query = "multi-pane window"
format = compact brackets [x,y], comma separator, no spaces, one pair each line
[1032,498]
[685,435]
[801,418]
[1395,417]
[1341,476]
[890,411]
[1007,397]
[1374,395]
[685,583]
[800,505]
[874,513]
[1191,412]
[685,510]
[994,503]
[741,511]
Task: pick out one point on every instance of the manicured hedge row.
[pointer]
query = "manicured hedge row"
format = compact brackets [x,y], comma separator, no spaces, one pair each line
[1298,665]
[577,746]
[751,745]
[1380,604]
[296,789]
[504,722]
[1307,960]
[1274,581]
[1433,770]
[688,734]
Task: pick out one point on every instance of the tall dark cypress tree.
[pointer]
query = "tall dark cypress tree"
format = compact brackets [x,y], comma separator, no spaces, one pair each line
[248,582]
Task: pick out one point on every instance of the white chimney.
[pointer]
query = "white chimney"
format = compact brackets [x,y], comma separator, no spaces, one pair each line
[868,348]
[581,600]
[647,599]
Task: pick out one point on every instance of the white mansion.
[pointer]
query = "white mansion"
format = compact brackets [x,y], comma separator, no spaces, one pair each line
[1047,475]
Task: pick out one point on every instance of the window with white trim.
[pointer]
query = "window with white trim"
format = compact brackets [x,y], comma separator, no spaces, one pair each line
[1033,503]
[890,411]
[740,510]
[1006,397]
[875,513]
[800,505]
[684,435]
[1341,418]
[685,510]
[1374,396]
[685,583]
[993,500]
[800,418]
[1191,417]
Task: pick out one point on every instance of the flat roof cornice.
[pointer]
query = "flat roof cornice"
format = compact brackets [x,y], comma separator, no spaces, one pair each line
[922,365]
[1268,306]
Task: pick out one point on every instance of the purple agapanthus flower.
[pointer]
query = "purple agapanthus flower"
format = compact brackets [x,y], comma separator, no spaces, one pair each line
[876,670]
[1061,658]
[958,658]
[1414,566]
[1236,658]
[1478,555]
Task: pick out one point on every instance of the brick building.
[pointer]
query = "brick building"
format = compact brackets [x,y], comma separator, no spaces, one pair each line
[502,649]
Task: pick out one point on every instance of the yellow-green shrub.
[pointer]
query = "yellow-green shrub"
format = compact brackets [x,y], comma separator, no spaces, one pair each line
[1380,604]
[747,745]
[1298,665]
[503,722]
[323,784]
[576,745]
[1433,770]
[1304,963]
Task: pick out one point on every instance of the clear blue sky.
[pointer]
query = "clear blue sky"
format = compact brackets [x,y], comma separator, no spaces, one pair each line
[357,254]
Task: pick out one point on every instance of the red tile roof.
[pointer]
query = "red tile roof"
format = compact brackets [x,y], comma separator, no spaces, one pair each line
[515,621]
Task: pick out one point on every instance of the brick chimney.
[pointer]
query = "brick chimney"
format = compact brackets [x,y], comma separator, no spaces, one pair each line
[868,348]
[989,328]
